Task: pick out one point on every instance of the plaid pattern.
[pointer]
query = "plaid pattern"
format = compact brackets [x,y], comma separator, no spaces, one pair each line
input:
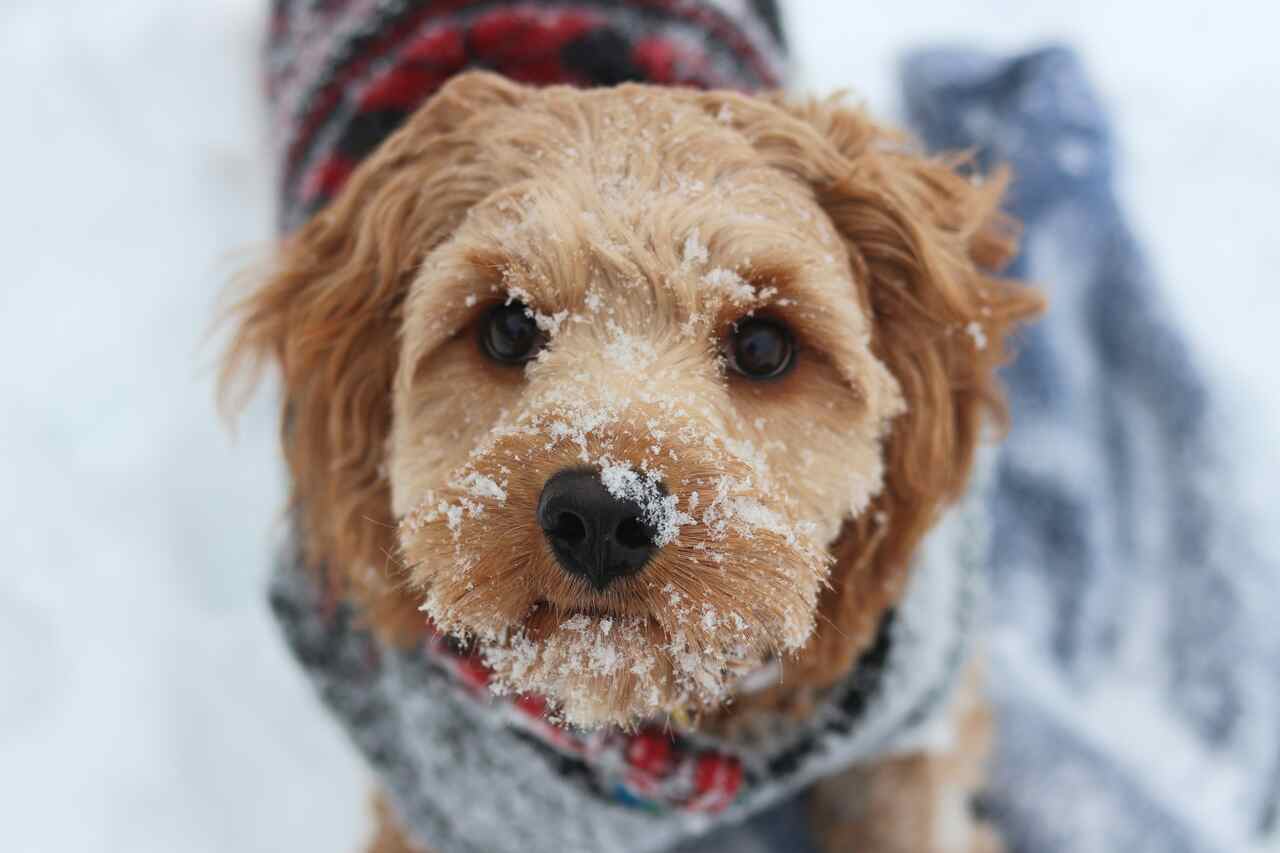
[654,768]
[518,783]
[342,75]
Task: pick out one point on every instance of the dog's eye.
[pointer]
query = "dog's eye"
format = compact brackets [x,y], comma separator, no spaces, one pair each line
[761,349]
[509,334]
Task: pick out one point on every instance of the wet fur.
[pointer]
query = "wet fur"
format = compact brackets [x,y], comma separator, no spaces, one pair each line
[881,259]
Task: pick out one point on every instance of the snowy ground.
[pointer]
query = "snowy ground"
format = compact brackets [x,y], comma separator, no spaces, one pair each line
[146,703]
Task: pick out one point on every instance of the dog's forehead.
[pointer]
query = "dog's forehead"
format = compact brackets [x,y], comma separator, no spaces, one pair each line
[697,243]
[654,211]
[684,217]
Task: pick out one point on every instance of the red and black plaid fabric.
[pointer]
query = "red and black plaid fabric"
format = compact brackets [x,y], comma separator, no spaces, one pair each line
[343,74]
[652,768]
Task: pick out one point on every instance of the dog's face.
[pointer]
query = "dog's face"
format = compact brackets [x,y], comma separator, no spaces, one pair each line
[636,403]
[630,374]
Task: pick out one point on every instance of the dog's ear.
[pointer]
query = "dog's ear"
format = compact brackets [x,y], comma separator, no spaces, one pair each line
[925,239]
[328,314]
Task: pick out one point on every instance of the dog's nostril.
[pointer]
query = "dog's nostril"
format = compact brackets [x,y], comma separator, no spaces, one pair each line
[593,533]
[570,527]
[632,533]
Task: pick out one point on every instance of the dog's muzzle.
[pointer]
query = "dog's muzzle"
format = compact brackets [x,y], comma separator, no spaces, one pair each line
[593,533]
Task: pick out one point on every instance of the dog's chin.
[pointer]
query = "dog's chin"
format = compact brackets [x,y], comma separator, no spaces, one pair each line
[736,584]
[673,641]
[599,668]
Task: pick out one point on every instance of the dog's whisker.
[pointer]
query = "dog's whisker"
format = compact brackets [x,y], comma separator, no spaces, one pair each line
[832,624]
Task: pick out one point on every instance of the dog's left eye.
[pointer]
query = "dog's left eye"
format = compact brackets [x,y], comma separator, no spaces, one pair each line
[508,334]
[761,348]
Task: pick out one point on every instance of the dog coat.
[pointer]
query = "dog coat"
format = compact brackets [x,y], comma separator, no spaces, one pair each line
[469,772]
[465,773]
[343,74]
[465,770]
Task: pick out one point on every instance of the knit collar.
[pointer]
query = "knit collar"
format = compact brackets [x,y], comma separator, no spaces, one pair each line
[660,764]
[425,714]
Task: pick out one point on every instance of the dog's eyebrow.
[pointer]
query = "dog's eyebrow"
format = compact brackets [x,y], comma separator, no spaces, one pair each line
[498,271]
[819,316]
[791,285]
[490,262]
[770,273]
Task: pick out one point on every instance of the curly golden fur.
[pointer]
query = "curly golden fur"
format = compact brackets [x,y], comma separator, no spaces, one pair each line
[639,225]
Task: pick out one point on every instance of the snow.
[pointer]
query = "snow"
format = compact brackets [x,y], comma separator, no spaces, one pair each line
[657,509]
[978,334]
[148,704]
[731,285]
[628,353]
[694,252]
[480,486]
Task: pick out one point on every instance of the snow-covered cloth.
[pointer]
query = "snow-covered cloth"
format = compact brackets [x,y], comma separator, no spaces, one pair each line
[343,74]
[469,772]
[1136,655]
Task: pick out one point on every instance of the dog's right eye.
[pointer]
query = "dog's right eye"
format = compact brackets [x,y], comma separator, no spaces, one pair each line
[509,334]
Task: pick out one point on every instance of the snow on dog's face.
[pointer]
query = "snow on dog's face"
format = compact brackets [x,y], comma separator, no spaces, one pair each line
[634,388]
[684,328]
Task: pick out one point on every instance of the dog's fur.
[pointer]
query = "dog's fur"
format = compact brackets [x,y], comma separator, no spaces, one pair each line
[639,224]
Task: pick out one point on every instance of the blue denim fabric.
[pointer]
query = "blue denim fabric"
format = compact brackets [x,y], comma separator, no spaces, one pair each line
[1136,675]
[1135,655]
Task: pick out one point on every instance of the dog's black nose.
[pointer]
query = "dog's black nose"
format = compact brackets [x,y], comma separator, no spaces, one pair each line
[593,534]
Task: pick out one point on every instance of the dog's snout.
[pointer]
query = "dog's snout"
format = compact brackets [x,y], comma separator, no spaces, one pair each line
[593,533]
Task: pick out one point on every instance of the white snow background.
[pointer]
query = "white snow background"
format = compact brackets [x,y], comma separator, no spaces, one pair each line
[146,702]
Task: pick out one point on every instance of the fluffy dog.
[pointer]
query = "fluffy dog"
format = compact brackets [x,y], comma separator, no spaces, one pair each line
[645,398]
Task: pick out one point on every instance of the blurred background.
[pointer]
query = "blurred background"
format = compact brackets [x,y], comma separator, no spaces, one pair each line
[146,702]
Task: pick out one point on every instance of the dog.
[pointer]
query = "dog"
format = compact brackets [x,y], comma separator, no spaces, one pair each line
[628,411]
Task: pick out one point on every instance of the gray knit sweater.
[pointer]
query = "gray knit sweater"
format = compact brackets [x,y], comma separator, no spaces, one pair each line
[473,773]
